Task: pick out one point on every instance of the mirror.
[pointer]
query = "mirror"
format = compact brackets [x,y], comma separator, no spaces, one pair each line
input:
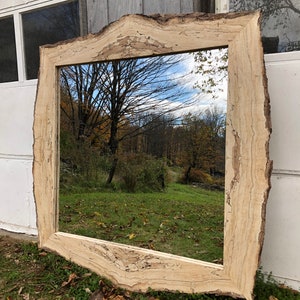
[247,161]
[142,152]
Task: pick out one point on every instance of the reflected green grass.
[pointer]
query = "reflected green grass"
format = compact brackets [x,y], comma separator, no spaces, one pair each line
[184,220]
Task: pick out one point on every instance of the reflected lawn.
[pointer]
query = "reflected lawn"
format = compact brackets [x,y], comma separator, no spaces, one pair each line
[184,220]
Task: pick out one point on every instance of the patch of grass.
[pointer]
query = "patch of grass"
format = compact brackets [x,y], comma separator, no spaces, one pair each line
[265,286]
[27,272]
[184,220]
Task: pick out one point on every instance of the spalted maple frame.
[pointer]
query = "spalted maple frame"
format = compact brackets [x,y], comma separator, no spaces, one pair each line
[248,167]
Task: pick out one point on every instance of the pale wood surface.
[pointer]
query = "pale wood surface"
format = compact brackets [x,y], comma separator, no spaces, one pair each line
[247,165]
[126,265]
[45,151]
[145,37]
[247,158]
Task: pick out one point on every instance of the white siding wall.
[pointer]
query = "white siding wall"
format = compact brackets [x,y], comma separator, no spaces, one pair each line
[282,240]
[281,251]
[17,207]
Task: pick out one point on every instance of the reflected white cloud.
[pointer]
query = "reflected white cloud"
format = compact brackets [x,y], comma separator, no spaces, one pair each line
[195,100]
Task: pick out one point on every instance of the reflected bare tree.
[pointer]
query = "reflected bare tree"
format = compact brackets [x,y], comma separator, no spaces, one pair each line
[101,100]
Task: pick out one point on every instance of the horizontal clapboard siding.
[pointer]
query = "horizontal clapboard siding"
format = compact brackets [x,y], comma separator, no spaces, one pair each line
[102,12]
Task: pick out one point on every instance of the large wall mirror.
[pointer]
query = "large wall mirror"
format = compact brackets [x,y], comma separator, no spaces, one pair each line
[142,152]
[141,176]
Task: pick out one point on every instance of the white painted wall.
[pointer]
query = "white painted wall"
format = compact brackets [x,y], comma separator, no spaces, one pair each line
[17,207]
[281,251]
[13,4]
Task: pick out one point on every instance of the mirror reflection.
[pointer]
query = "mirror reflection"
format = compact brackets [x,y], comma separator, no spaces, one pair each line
[142,152]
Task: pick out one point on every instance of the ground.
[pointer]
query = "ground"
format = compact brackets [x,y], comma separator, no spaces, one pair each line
[29,273]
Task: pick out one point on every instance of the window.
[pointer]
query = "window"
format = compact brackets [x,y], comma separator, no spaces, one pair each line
[280,22]
[46,26]
[8,57]
[207,6]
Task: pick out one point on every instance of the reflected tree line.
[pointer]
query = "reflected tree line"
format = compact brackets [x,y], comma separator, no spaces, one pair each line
[123,122]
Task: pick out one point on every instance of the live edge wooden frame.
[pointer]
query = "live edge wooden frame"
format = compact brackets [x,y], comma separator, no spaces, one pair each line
[247,157]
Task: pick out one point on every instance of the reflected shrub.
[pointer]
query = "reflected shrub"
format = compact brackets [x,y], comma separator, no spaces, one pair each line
[203,179]
[142,172]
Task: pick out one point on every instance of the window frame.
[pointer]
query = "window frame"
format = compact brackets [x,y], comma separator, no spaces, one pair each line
[17,11]
[14,29]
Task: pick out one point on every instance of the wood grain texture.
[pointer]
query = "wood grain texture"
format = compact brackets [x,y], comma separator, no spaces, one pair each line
[126,265]
[247,165]
[147,36]
[247,157]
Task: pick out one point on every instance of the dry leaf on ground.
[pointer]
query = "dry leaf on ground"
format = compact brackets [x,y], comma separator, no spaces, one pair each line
[71,278]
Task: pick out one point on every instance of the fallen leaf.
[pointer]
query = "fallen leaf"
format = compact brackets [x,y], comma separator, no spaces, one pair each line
[272,298]
[101,224]
[87,290]
[20,290]
[118,297]
[26,296]
[97,295]
[43,253]
[283,286]
[131,236]
[72,277]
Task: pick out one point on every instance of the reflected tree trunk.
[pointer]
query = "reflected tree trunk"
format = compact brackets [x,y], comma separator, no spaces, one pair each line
[112,170]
